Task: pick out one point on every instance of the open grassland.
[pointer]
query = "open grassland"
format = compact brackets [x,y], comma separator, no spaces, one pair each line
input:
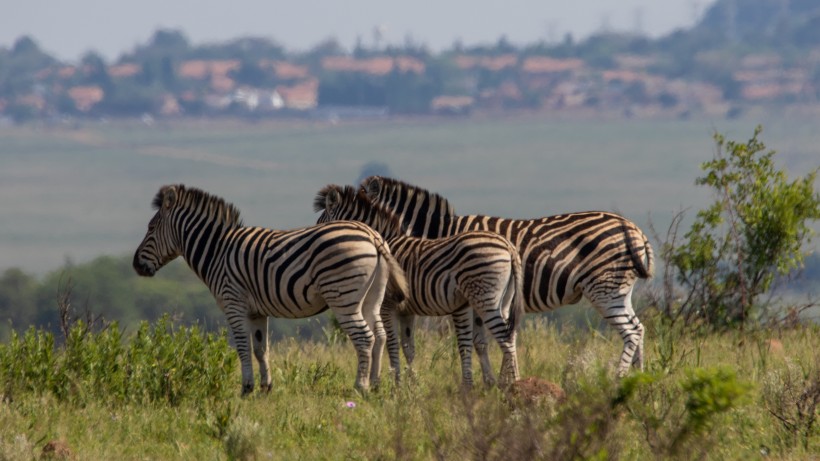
[704,396]
[85,191]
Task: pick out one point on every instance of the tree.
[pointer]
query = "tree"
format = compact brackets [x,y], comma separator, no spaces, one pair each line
[25,46]
[251,73]
[95,71]
[169,40]
[755,230]
[17,305]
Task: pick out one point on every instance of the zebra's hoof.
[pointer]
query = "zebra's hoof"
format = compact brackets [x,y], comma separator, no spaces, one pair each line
[247,389]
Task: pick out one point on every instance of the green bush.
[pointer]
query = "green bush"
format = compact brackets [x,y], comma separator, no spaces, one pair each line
[159,363]
[754,230]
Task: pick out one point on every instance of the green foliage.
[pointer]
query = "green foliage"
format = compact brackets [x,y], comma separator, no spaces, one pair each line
[705,411]
[755,230]
[711,391]
[109,287]
[676,418]
[160,363]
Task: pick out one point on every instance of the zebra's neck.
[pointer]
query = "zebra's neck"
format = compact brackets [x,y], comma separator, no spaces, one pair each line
[381,222]
[421,213]
[202,240]
[430,226]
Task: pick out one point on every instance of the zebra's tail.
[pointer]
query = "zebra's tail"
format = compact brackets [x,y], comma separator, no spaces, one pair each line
[517,306]
[644,263]
[650,258]
[397,287]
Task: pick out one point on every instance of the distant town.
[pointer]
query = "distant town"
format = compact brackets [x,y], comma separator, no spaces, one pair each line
[711,69]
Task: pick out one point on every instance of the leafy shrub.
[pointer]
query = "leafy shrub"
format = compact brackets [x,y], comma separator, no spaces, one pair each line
[675,417]
[160,363]
[754,230]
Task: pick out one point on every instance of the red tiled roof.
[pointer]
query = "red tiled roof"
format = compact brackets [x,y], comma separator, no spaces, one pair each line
[376,66]
[623,75]
[303,95]
[200,69]
[494,63]
[124,70]
[285,70]
[544,64]
[85,97]
[32,100]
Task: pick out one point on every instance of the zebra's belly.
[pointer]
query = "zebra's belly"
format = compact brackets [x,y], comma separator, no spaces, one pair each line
[291,308]
[435,304]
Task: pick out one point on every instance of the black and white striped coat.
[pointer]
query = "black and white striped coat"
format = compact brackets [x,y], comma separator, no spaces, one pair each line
[472,272]
[255,273]
[593,254]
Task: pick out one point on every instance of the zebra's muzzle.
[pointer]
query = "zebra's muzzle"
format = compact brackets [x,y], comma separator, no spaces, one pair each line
[143,269]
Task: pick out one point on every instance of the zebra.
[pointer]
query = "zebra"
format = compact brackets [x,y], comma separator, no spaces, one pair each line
[255,273]
[593,254]
[472,272]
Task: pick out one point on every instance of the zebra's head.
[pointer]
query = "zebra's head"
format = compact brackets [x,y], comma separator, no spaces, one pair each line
[372,187]
[160,244]
[328,201]
[339,203]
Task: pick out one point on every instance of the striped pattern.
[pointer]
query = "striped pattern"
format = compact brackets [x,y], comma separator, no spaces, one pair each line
[255,273]
[470,272]
[595,254]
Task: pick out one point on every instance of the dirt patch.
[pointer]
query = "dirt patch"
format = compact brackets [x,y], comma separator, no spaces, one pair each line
[535,390]
[56,450]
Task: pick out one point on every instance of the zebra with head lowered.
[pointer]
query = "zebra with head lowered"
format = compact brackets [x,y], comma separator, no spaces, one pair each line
[594,254]
[472,272]
[255,273]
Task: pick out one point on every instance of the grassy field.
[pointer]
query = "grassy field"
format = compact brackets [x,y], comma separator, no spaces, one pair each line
[85,191]
[174,393]
[704,396]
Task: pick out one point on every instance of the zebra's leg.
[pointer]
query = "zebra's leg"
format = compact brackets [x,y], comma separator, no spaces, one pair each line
[500,330]
[480,342]
[362,338]
[389,317]
[491,310]
[371,310]
[463,322]
[259,332]
[238,322]
[407,330]
[619,313]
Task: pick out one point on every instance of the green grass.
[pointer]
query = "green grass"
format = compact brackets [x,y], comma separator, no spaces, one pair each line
[85,192]
[717,396]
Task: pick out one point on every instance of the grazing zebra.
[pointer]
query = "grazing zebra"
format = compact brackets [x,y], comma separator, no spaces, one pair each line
[594,254]
[470,272]
[255,273]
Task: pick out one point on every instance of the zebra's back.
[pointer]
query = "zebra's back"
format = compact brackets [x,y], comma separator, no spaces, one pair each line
[566,255]
[282,272]
[436,269]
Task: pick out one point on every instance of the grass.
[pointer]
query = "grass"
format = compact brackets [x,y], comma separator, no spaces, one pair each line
[718,396]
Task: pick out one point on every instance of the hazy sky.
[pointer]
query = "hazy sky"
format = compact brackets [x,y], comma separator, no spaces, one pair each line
[67,29]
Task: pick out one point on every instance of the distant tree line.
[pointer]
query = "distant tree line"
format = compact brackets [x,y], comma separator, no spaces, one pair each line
[107,287]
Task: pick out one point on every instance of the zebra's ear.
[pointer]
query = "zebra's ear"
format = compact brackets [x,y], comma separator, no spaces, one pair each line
[332,199]
[169,197]
[373,187]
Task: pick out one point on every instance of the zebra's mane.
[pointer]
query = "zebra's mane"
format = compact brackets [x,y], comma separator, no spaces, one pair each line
[391,184]
[357,196]
[197,199]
